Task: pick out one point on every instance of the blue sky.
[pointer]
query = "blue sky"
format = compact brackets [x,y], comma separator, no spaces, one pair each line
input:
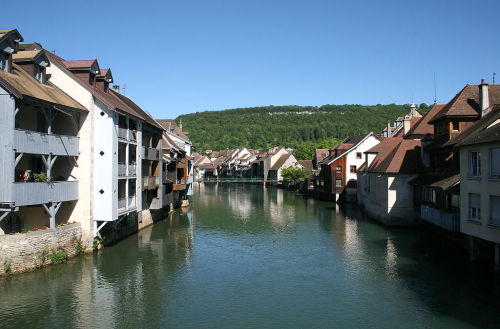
[184,56]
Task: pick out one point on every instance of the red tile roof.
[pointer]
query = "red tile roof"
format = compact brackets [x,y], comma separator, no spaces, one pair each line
[396,155]
[423,127]
[466,102]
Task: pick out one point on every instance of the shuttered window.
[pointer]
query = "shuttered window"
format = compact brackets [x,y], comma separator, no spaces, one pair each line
[495,162]
[474,164]
[495,210]
[475,207]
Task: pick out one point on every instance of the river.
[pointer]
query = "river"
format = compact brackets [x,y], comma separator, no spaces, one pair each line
[244,256]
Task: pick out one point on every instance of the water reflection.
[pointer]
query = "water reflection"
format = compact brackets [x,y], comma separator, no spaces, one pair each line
[244,256]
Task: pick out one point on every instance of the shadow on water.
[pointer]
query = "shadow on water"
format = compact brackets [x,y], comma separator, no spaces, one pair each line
[432,268]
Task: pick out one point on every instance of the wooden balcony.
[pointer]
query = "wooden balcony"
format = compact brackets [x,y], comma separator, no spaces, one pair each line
[150,154]
[44,192]
[448,221]
[26,141]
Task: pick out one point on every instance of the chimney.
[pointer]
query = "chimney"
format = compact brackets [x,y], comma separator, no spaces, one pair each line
[116,88]
[388,128]
[484,99]
[406,125]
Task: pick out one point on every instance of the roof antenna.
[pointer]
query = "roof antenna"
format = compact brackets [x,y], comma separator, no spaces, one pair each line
[124,88]
[494,77]
[435,94]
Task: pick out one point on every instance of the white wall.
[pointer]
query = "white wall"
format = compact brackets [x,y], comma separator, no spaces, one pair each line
[486,187]
[351,157]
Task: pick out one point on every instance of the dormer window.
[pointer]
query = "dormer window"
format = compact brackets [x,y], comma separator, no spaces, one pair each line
[40,73]
[4,62]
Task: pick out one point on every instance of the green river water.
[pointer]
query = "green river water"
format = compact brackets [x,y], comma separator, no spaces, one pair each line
[244,256]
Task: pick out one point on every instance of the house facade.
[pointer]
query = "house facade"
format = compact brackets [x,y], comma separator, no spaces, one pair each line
[40,142]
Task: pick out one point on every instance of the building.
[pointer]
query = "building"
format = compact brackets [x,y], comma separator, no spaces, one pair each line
[177,163]
[383,189]
[338,176]
[40,142]
[120,152]
[479,152]
[286,160]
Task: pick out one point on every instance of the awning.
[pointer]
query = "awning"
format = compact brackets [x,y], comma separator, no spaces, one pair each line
[442,181]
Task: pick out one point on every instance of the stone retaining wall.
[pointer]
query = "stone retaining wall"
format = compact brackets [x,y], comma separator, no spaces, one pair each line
[29,251]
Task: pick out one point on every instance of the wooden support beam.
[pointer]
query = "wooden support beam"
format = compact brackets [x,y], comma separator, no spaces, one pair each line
[18,158]
[16,111]
[4,215]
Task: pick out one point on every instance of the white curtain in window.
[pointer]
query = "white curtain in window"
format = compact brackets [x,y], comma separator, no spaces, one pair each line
[495,162]
[495,210]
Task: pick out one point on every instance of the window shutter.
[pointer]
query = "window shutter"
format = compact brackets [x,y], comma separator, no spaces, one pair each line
[495,210]
[474,200]
[495,162]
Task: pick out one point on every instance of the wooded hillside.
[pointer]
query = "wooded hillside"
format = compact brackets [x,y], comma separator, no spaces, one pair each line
[290,126]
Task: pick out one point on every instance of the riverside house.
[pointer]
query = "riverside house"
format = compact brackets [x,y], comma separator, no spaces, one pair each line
[437,192]
[178,164]
[39,142]
[120,152]
[337,178]
[479,148]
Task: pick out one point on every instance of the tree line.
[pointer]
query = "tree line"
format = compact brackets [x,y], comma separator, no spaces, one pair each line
[289,126]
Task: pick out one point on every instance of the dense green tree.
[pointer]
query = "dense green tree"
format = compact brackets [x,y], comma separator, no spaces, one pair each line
[294,175]
[289,126]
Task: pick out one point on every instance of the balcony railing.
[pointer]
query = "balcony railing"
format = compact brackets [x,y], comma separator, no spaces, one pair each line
[150,154]
[448,221]
[122,203]
[26,141]
[127,134]
[126,169]
[40,192]
[150,182]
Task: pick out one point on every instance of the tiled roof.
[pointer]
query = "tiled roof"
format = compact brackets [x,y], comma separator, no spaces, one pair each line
[307,164]
[321,154]
[81,64]
[485,130]
[170,124]
[441,180]
[422,126]
[13,33]
[137,109]
[21,84]
[396,155]
[113,100]
[28,55]
[279,163]
[466,102]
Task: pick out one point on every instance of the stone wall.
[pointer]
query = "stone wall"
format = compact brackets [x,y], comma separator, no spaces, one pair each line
[29,251]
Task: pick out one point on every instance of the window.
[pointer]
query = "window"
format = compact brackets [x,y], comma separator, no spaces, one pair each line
[338,182]
[4,62]
[455,125]
[353,169]
[474,164]
[475,207]
[495,210]
[40,73]
[358,155]
[495,162]
[339,169]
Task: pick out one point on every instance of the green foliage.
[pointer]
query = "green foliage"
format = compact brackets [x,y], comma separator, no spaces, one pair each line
[289,126]
[306,150]
[58,257]
[294,175]
[97,243]
[41,177]
[80,247]
[7,267]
